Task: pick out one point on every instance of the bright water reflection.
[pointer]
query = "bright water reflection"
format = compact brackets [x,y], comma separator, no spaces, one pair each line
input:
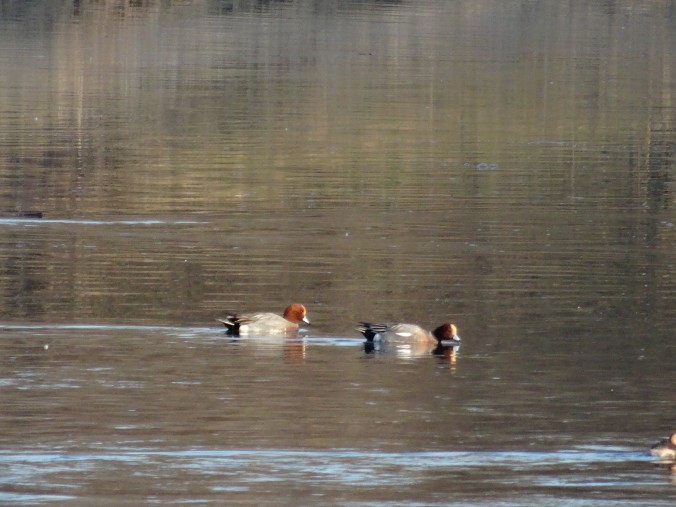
[506,165]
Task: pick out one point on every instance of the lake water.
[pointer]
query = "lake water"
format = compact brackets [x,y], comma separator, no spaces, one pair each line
[505,165]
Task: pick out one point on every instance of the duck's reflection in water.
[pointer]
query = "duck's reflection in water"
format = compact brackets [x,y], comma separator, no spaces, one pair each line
[444,353]
[293,350]
[669,466]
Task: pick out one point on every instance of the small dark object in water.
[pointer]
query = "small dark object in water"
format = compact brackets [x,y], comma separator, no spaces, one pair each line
[29,214]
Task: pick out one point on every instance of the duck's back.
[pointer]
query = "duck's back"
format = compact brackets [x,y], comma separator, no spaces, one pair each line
[396,333]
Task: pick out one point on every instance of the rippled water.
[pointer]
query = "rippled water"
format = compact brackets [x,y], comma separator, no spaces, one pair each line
[130,414]
[143,414]
[505,165]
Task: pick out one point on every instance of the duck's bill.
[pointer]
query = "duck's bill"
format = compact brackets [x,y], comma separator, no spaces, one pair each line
[306,320]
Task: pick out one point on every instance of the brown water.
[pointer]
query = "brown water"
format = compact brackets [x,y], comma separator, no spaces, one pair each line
[506,165]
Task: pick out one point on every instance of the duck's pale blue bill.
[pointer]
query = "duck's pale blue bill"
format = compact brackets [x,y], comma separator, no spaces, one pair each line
[455,340]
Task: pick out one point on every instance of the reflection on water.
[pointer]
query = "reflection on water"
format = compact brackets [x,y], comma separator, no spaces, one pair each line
[412,350]
[502,164]
[292,349]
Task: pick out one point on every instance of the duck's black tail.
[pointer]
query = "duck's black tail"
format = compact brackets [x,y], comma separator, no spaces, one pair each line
[231,324]
[370,331]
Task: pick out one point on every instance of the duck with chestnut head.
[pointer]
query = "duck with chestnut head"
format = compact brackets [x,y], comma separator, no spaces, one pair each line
[266,323]
[665,448]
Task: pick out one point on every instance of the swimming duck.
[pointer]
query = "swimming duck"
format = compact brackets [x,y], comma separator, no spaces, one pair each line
[410,333]
[665,448]
[265,323]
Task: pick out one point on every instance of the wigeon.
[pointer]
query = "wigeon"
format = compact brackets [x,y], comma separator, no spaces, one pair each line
[410,333]
[265,323]
[665,448]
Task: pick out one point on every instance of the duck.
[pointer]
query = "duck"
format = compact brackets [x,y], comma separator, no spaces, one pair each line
[665,448]
[410,333]
[266,323]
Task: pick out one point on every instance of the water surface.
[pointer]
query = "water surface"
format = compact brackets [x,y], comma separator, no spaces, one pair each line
[505,165]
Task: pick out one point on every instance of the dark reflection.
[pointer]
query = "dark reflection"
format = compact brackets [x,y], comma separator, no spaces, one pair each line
[654,173]
[23,283]
[221,7]
[661,165]
[225,7]
[264,5]
[41,12]
[29,214]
